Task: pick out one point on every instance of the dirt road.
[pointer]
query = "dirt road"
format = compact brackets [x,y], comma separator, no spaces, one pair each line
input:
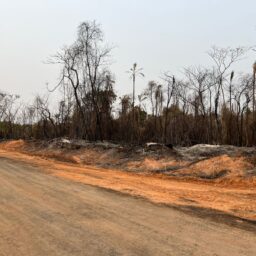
[45,215]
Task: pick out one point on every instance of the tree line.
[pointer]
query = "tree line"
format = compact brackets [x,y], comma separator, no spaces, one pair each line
[207,105]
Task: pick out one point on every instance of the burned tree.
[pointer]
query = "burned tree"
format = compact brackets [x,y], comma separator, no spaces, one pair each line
[84,69]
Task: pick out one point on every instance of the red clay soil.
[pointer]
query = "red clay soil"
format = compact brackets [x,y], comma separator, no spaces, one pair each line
[233,197]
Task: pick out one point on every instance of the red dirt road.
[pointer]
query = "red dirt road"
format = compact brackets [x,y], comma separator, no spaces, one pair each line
[234,200]
[45,215]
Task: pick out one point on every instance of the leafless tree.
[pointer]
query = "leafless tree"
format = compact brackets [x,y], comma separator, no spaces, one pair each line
[223,59]
[84,68]
[170,91]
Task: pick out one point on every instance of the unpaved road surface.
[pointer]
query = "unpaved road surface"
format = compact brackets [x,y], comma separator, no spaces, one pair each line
[45,215]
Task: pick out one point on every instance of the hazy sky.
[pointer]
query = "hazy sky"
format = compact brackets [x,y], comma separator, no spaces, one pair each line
[161,35]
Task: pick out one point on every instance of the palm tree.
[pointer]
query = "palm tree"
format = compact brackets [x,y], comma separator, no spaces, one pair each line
[134,72]
[253,88]
[253,100]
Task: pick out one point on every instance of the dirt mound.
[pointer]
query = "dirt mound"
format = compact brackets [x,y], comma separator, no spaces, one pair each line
[217,167]
[13,145]
[213,163]
[202,151]
[234,166]
[162,165]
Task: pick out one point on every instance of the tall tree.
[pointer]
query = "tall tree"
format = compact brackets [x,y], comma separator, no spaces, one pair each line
[253,101]
[134,72]
[85,70]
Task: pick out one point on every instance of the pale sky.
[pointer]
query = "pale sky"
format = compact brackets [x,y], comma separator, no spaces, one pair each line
[160,35]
